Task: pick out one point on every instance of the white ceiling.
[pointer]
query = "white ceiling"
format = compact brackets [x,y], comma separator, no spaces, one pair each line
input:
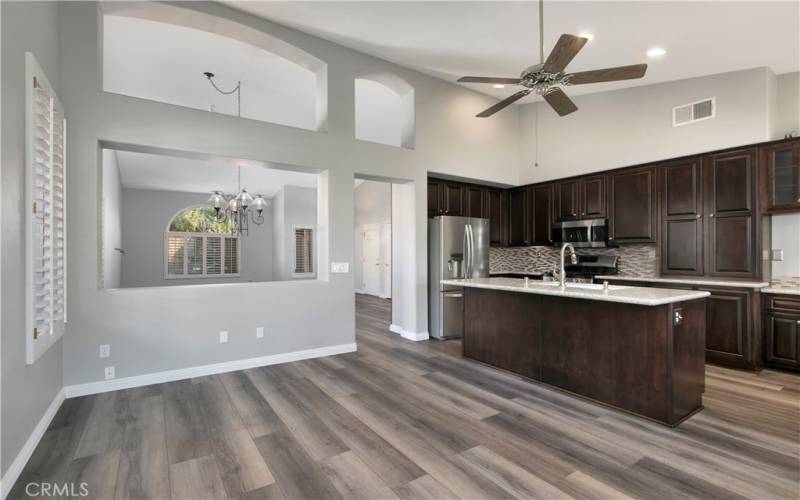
[170,173]
[452,39]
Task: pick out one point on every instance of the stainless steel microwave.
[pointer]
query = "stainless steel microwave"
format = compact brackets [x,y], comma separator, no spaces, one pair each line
[586,233]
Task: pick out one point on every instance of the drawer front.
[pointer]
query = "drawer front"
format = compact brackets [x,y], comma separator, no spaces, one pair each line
[781,303]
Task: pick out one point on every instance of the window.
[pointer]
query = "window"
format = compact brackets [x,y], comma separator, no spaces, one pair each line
[303,251]
[46,220]
[198,245]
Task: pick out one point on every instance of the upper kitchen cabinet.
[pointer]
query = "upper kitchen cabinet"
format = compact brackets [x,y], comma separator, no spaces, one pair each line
[682,216]
[566,200]
[518,231]
[632,212]
[446,198]
[730,195]
[540,219]
[474,201]
[494,209]
[592,197]
[435,195]
[780,177]
[582,198]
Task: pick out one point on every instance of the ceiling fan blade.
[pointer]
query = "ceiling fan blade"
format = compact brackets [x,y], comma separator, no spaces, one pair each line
[559,101]
[488,79]
[608,74]
[565,50]
[502,104]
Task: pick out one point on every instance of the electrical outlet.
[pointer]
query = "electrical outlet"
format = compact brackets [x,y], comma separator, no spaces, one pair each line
[223,337]
[105,351]
[260,332]
[110,372]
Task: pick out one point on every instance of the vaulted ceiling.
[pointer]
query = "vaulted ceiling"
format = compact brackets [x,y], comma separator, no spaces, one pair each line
[452,39]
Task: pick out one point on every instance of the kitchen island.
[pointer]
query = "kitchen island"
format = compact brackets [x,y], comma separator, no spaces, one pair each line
[641,350]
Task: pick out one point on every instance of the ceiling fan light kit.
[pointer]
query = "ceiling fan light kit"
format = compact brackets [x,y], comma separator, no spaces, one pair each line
[547,77]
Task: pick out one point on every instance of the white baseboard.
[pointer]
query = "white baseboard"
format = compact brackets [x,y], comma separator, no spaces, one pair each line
[415,336]
[199,371]
[13,472]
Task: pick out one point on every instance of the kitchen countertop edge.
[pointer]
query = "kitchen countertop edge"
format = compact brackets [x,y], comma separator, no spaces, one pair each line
[620,295]
[689,281]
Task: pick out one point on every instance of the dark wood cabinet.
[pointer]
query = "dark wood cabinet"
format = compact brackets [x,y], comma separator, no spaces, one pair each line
[435,198]
[781,331]
[682,217]
[541,214]
[592,197]
[731,242]
[781,177]
[518,217]
[728,318]
[566,200]
[632,212]
[494,209]
[475,198]
[454,199]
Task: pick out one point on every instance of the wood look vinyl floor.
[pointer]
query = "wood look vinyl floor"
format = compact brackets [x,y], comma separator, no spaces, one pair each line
[413,420]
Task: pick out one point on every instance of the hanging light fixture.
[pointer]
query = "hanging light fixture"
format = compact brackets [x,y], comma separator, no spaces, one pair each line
[239,209]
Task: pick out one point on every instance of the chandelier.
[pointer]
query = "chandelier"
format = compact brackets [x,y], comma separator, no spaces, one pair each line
[239,209]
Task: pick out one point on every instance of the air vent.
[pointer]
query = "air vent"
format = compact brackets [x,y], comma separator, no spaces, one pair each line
[693,112]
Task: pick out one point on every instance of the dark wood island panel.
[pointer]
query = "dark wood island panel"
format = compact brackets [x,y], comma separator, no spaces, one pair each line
[632,357]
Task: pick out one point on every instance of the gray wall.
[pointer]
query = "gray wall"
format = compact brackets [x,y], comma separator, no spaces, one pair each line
[298,206]
[111,220]
[26,390]
[787,118]
[634,125]
[146,215]
[176,327]
[786,236]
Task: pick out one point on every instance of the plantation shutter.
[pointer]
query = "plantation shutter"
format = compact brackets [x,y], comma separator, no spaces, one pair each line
[231,255]
[213,255]
[46,228]
[175,250]
[303,255]
[194,255]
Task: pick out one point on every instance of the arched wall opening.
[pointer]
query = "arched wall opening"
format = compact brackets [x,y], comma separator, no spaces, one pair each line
[175,46]
[384,110]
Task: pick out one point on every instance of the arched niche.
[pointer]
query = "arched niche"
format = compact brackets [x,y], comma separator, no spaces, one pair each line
[384,110]
[298,82]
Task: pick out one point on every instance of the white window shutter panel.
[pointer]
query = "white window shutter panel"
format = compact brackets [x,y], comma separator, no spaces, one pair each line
[46,220]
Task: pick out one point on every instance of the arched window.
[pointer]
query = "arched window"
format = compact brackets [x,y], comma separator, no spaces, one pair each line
[384,110]
[197,244]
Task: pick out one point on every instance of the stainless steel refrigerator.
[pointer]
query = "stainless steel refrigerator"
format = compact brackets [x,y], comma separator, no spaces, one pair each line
[458,247]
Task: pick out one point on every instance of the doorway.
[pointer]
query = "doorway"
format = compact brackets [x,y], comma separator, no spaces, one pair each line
[373,238]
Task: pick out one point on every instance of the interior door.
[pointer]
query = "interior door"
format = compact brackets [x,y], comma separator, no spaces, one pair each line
[386,259]
[371,259]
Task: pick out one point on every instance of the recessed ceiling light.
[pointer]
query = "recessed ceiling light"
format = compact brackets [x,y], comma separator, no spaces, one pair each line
[499,86]
[656,52]
[587,36]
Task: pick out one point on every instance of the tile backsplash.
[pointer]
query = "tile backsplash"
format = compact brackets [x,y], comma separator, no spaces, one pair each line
[634,260]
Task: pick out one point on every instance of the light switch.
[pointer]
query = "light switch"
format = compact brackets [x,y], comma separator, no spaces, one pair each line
[340,267]
[777,254]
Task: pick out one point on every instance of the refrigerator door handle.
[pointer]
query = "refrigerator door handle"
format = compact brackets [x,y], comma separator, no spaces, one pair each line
[465,257]
[471,240]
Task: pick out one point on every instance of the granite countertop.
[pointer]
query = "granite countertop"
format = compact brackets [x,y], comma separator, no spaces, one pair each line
[781,290]
[625,294]
[689,280]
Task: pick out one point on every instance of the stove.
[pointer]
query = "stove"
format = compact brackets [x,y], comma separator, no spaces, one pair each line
[589,266]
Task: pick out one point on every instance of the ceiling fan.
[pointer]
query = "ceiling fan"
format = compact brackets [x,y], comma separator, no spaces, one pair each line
[544,77]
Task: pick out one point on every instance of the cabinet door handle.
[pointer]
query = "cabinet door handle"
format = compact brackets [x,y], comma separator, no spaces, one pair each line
[711,215]
[697,216]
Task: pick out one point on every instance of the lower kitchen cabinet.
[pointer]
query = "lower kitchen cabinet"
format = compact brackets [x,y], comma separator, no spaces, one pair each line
[781,330]
[729,329]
